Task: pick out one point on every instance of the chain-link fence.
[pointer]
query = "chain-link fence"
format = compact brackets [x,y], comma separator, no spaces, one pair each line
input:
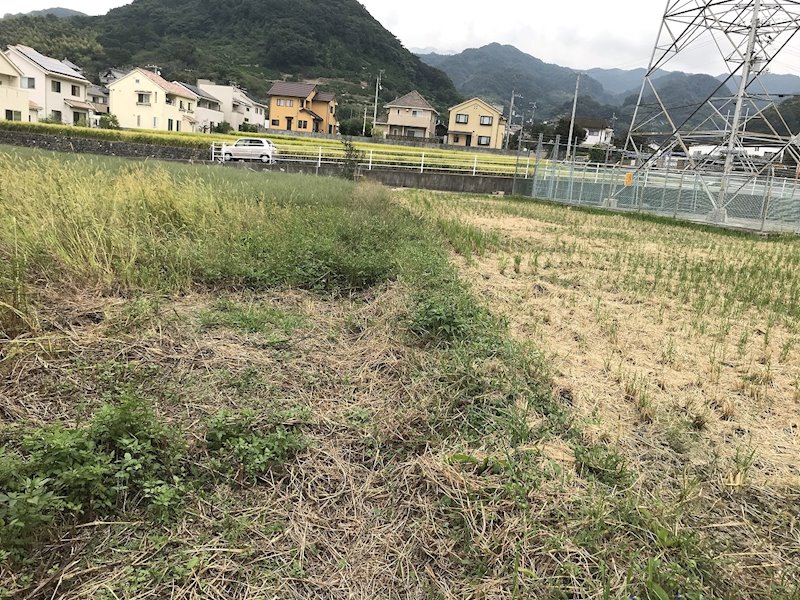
[764,204]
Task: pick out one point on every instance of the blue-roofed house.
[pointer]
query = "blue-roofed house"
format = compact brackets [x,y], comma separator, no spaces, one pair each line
[54,86]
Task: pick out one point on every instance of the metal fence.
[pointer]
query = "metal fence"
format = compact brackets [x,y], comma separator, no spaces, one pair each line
[763,204]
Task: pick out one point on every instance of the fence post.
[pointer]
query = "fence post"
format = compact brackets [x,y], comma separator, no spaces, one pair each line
[678,199]
[319,160]
[554,174]
[371,152]
[583,181]
[767,197]
[528,166]
[422,164]
[597,173]
[475,167]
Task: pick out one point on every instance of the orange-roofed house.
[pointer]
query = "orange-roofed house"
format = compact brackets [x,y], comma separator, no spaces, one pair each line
[145,100]
[409,116]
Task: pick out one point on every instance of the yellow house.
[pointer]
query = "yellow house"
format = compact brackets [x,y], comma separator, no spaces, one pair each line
[476,123]
[302,107]
[145,100]
[14,101]
[409,116]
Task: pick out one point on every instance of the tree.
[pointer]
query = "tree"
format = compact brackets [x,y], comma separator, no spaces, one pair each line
[354,127]
[562,129]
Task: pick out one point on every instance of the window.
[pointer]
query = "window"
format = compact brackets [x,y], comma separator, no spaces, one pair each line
[143,98]
[302,124]
[487,120]
[463,119]
[76,91]
[484,140]
[56,116]
[414,113]
[456,139]
[190,107]
[332,109]
[170,124]
[155,122]
[181,106]
[284,102]
[276,123]
[138,120]
[55,86]
[13,115]
[27,83]
[177,125]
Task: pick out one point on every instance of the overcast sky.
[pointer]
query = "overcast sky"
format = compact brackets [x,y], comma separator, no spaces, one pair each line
[574,33]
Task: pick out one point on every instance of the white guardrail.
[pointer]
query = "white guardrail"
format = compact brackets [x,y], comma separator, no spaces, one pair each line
[457,162]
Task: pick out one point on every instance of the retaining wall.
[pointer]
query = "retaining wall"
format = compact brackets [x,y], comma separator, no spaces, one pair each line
[445,182]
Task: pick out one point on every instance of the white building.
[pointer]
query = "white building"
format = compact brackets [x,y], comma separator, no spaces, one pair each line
[598,136]
[209,109]
[237,107]
[751,151]
[56,88]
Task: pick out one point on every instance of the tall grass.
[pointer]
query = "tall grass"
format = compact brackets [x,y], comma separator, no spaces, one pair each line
[120,227]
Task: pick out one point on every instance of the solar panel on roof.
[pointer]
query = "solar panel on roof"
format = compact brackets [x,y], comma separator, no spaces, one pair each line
[49,64]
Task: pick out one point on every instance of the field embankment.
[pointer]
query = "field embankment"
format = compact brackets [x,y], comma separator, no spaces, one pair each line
[225,384]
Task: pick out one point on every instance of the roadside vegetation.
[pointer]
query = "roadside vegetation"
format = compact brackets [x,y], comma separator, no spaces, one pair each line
[225,384]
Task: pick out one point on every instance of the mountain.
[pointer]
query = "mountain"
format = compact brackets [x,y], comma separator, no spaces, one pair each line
[775,83]
[61,13]
[493,71]
[249,41]
[620,82]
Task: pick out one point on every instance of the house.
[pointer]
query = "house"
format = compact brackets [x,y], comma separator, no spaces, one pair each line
[98,97]
[14,101]
[237,107]
[302,107]
[408,116]
[56,89]
[598,133]
[112,75]
[145,100]
[209,109]
[476,123]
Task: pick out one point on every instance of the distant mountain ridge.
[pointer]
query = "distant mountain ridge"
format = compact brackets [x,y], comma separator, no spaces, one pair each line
[493,71]
[61,13]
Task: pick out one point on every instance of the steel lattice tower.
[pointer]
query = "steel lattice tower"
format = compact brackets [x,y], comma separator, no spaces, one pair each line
[746,37]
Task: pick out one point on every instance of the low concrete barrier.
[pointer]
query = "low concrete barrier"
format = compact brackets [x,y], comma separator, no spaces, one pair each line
[445,182]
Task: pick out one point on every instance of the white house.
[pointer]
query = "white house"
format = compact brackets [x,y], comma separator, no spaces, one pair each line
[209,110]
[237,107]
[145,100]
[598,132]
[54,87]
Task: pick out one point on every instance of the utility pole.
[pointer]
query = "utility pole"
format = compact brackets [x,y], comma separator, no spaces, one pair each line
[610,142]
[364,127]
[377,91]
[574,110]
[510,117]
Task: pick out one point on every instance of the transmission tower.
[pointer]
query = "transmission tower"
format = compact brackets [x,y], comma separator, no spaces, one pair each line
[741,39]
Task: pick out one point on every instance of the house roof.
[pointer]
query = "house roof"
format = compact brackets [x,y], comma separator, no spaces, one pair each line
[314,115]
[325,97]
[72,65]
[8,61]
[171,88]
[79,105]
[412,99]
[48,64]
[486,104]
[97,90]
[293,90]
[198,92]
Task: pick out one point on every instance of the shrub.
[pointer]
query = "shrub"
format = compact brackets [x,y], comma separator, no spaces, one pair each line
[352,158]
[109,121]
[223,127]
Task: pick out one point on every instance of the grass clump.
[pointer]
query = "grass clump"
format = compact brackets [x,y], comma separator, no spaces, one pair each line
[246,447]
[123,460]
[250,318]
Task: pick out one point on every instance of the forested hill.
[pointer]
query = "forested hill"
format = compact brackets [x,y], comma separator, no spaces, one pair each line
[250,41]
[56,12]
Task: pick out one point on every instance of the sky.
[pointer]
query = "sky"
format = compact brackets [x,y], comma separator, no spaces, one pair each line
[580,34]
